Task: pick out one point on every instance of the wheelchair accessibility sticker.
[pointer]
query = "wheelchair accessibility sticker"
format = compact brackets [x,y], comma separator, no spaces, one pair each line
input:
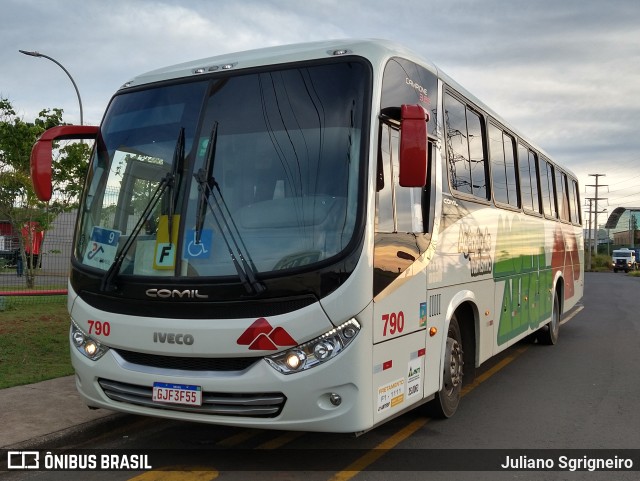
[195,250]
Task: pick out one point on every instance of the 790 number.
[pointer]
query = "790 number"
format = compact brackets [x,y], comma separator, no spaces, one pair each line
[99,328]
[393,323]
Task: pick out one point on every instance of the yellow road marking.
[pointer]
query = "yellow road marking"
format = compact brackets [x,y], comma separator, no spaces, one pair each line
[490,372]
[238,438]
[179,473]
[281,440]
[380,450]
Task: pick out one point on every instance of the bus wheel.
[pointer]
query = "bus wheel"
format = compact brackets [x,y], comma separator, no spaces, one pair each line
[549,334]
[447,400]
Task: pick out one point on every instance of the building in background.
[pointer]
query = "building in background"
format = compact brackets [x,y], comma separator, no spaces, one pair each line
[623,226]
[9,244]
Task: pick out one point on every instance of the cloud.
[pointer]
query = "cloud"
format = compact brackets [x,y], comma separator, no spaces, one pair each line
[563,72]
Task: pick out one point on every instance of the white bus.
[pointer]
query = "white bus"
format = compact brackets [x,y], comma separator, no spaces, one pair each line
[312,237]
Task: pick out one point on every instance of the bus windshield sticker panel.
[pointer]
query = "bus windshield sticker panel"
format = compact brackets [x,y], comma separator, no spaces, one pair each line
[101,250]
[198,250]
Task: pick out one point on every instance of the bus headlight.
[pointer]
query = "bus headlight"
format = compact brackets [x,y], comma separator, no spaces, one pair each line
[86,345]
[317,351]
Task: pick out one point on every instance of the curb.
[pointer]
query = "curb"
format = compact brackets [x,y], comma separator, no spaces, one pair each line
[81,433]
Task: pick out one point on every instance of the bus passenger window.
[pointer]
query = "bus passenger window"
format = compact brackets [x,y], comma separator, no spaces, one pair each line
[525,178]
[563,197]
[503,167]
[548,189]
[574,202]
[465,149]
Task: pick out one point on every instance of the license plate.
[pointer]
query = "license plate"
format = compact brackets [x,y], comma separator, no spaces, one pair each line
[177,394]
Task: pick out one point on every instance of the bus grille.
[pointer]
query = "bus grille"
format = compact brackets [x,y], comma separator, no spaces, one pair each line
[263,405]
[188,363]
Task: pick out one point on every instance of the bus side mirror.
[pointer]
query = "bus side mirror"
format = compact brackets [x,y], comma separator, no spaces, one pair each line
[413,146]
[42,154]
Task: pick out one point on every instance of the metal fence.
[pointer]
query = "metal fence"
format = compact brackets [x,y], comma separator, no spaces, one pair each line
[51,270]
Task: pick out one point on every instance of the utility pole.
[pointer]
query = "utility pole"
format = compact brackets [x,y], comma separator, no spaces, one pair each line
[588,266]
[597,185]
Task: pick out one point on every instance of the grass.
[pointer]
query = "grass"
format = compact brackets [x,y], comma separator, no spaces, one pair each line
[600,263]
[34,343]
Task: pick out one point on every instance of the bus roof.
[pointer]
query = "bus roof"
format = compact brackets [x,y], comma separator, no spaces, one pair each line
[377,51]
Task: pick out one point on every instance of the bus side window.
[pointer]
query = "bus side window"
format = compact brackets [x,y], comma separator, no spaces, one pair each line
[576,218]
[572,201]
[528,168]
[399,209]
[503,169]
[467,163]
[534,168]
[525,177]
[384,195]
[563,195]
[548,190]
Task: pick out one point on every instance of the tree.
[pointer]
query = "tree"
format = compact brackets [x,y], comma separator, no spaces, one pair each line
[18,202]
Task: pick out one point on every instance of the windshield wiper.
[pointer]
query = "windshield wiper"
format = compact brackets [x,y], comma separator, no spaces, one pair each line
[246,269]
[167,182]
[202,178]
[176,172]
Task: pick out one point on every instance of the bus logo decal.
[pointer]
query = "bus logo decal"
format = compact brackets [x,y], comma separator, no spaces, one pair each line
[171,293]
[261,336]
[476,247]
[173,338]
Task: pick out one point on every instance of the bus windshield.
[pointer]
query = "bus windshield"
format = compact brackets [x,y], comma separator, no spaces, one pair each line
[282,180]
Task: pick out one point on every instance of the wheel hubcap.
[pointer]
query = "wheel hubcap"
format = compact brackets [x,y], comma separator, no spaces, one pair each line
[453,369]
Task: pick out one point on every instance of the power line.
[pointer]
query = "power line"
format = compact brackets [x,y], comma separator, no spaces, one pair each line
[626,180]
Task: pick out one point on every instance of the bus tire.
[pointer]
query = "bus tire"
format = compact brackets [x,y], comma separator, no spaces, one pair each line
[549,334]
[447,399]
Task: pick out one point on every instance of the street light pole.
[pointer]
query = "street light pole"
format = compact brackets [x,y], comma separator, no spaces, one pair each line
[38,54]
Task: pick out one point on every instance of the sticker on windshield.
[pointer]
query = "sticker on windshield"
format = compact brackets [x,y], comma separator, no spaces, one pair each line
[102,247]
[165,252]
[198,250]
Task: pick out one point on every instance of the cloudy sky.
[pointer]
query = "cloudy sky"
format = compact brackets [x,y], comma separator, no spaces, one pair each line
[564,72]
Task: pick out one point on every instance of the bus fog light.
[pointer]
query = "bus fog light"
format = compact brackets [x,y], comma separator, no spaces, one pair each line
[317,351]
[335,399]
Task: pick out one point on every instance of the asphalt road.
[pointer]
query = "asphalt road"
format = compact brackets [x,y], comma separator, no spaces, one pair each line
[542,401]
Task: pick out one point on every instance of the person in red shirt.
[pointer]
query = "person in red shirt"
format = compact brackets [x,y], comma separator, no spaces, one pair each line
[32,234]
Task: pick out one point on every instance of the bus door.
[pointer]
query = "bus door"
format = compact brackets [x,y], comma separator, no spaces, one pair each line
[399,285]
